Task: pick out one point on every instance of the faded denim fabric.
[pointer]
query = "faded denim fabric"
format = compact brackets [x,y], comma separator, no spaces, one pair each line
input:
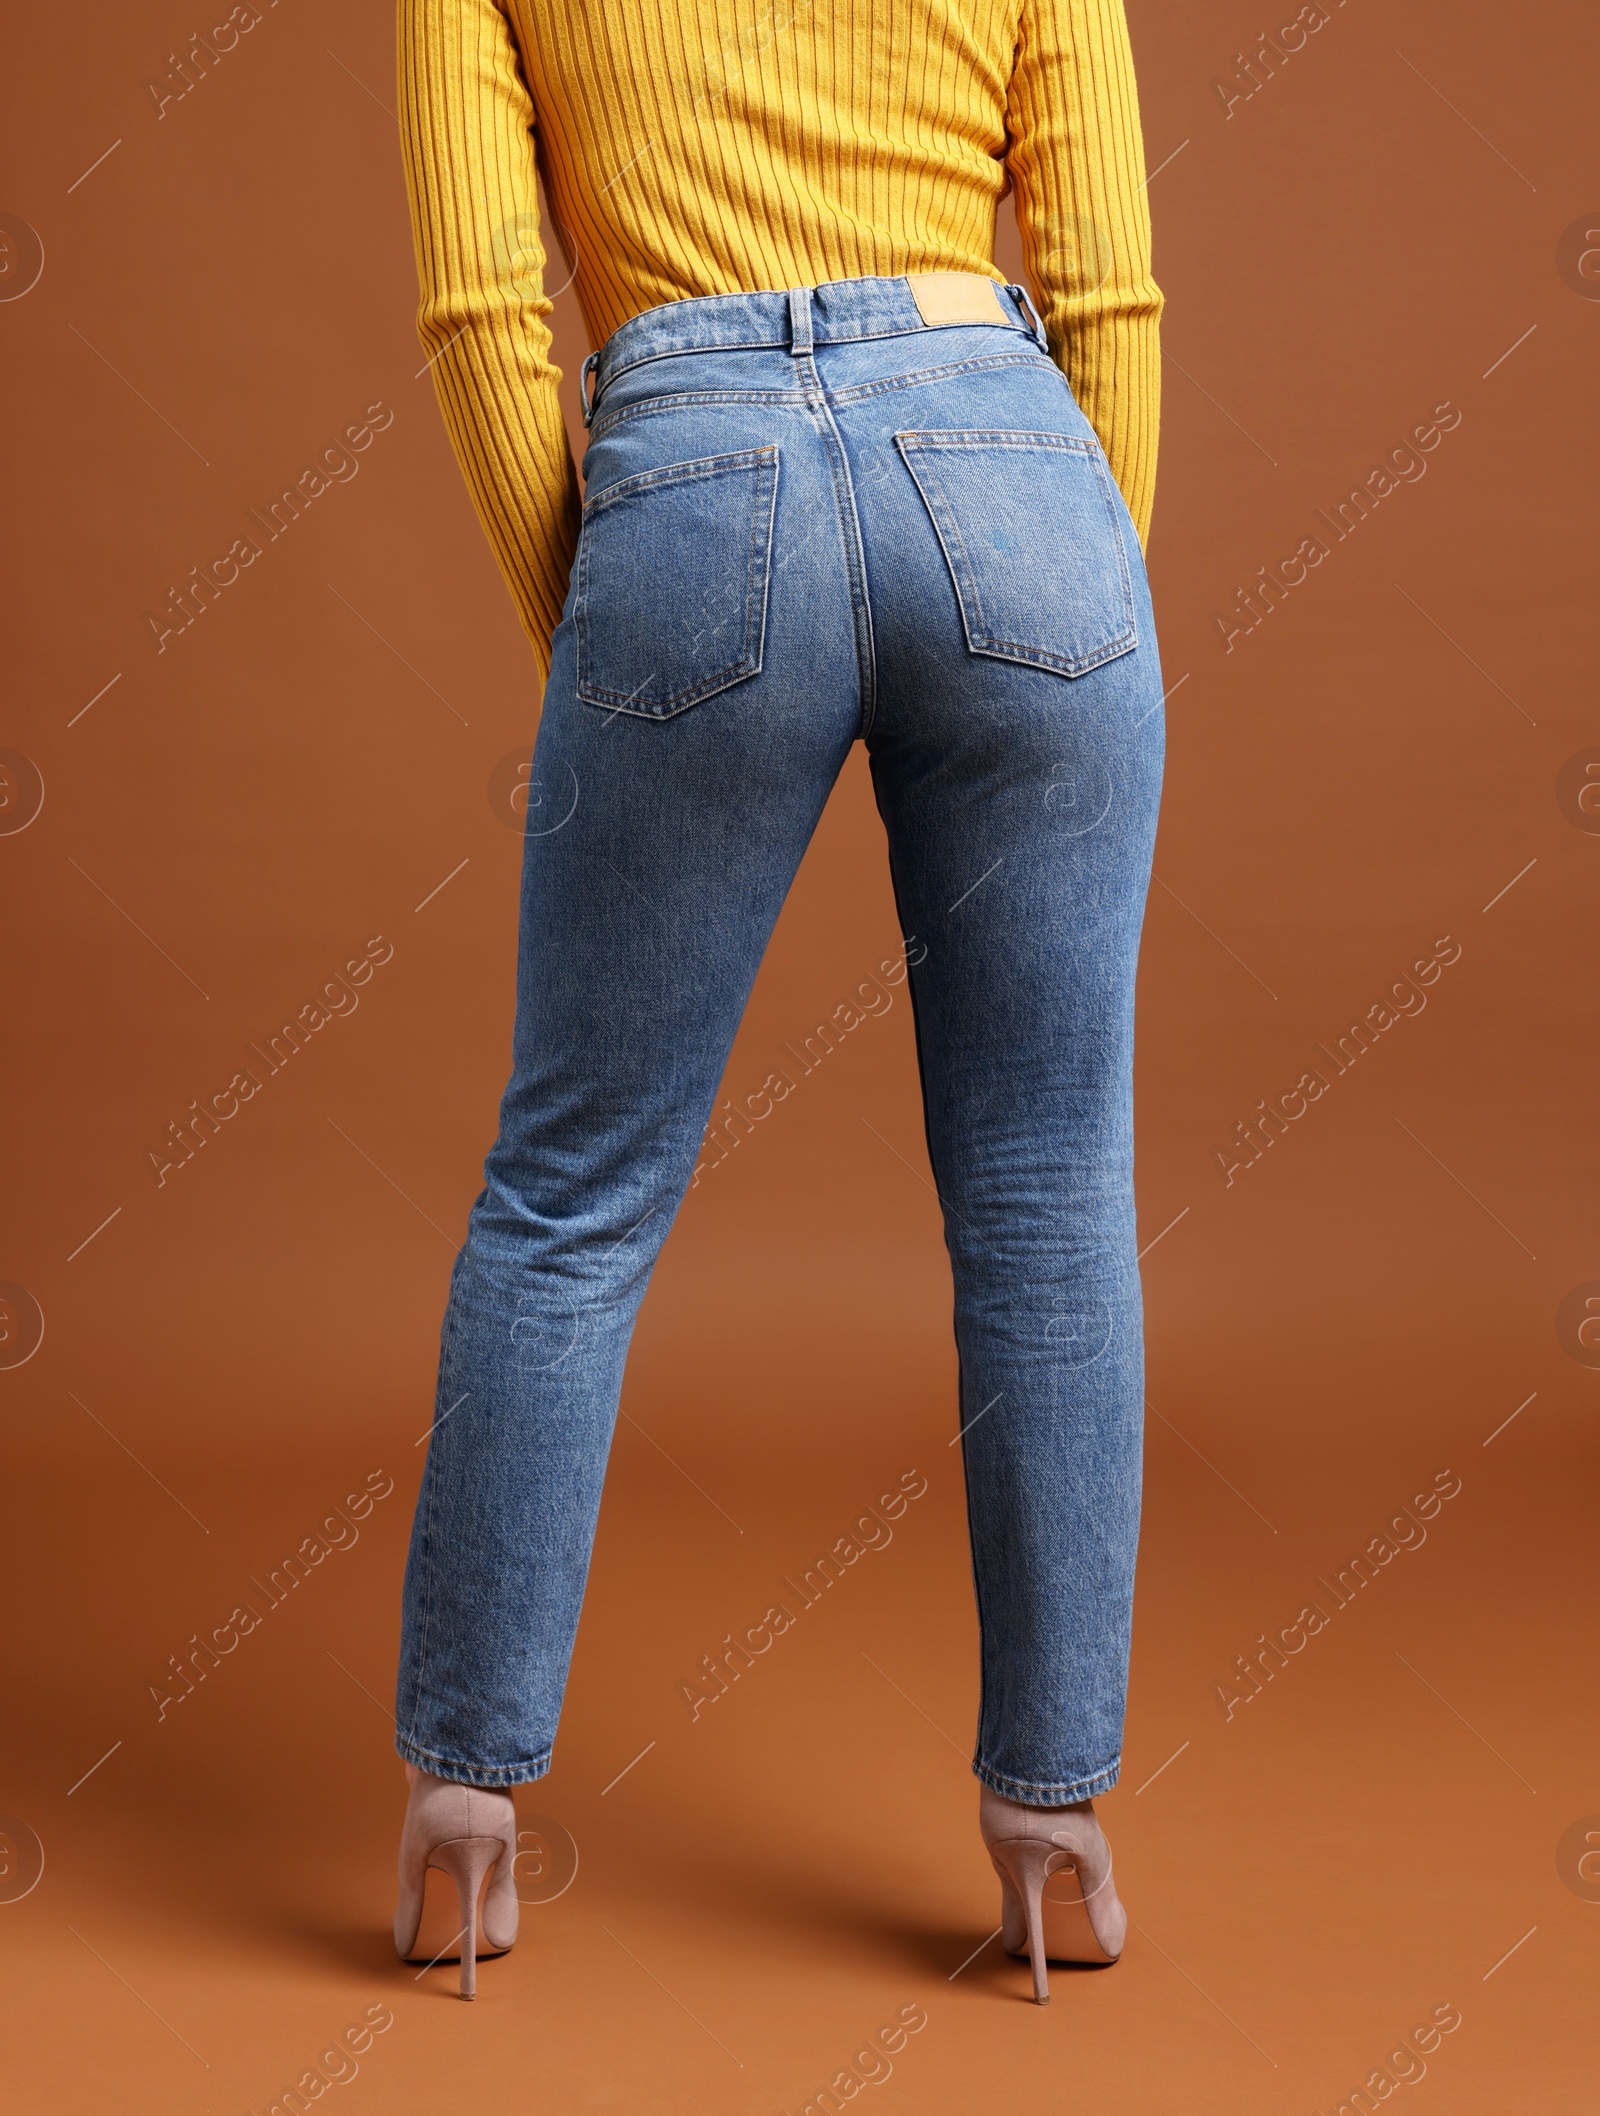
[811,518]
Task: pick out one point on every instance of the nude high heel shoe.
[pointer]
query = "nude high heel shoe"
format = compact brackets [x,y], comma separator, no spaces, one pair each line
[469,1833]
[1077,1917]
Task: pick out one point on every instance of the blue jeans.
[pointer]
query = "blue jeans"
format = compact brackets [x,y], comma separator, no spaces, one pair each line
[810,517]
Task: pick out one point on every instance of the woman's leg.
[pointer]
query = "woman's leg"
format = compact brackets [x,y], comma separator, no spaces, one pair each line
[1020,806]
[659,851]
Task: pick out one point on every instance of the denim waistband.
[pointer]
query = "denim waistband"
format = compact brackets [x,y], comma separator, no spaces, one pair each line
[793,318]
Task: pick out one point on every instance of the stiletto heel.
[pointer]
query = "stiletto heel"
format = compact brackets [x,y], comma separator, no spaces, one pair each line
[1082,1919]
[470,1834]
[466,1860]
[1024,1866]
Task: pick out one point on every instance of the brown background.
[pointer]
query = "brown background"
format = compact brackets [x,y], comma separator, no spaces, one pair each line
[1369,1838]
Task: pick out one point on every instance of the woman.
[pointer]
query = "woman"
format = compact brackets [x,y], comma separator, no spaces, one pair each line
[841,481]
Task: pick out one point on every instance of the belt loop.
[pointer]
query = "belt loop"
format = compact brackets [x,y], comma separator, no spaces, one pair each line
[589,366]
[799,321]
[1041,339]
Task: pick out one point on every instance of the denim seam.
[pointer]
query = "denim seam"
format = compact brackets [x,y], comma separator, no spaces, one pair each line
[939,440]
[849,394]
[931,1148]
[1057,664]
[855,553]
[679,474]
[781,343]
[984,1634]
[673,352]
[764,462]
[858,392]
[678,400]
[415,1753]
[427,1592]
[1088,1788]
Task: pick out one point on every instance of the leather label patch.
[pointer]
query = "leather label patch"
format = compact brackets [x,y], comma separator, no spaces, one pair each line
[956,297]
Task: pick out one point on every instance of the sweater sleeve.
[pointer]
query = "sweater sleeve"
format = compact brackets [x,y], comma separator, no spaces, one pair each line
[467,138]
[1077,166]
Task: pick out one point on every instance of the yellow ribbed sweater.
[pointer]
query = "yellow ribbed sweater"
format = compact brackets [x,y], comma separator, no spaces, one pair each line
[720,146]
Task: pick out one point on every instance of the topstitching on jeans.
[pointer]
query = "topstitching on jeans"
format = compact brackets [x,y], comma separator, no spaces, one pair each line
[911,377]
[537,1766]
[680,473]
[427,1575]
[850,393]
[694,399]
[981,635]
[606,372]
[850,525]
[764,461]
[1062,1792]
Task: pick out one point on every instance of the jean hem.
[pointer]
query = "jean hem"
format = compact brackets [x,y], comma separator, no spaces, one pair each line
[1029,1794]
[482,1774]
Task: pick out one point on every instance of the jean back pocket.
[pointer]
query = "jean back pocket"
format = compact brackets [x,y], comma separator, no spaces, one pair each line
[672,582]
[1032,536]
